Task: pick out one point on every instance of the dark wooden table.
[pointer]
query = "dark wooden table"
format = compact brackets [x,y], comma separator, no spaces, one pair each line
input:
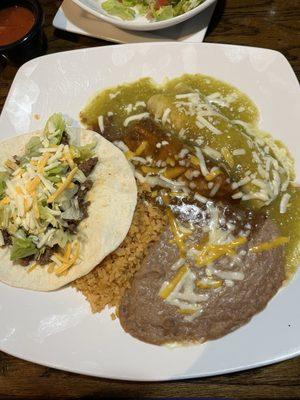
[264,23]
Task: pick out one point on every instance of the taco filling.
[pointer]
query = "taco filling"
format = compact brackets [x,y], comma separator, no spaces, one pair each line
[46,194]
[43,198]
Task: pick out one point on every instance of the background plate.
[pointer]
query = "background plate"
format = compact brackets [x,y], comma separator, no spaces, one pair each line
[70,17]
[139,23]
[57,328]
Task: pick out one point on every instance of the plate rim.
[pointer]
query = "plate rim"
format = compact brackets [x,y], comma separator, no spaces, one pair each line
[194,375]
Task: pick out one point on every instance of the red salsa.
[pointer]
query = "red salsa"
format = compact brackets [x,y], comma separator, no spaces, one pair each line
[15,23]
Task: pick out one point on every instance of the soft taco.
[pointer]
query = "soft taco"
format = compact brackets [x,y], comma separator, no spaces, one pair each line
[67,198]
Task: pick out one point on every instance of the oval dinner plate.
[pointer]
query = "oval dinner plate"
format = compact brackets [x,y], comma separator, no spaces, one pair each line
[140,23]
[57,329]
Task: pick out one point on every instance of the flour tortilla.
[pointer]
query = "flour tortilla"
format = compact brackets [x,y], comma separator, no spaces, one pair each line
[113,200]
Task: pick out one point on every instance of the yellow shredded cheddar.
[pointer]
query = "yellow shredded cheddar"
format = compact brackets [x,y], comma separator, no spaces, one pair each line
[35,206]
[63,185]
[69,159]
[212,252]
[211,176]
[64,267]
[279,241]
[170,161]
[5,201]
[60,257]
[149,170]
[33,184]
[11,165]
[142,147]
[174,172]
[228,156]
[51,268]
[20,172]
[186,311]
[129,155]
[67,252]
[194,160]
[178,236]
[19,190]
[27,204]
[165,293]
[212,284]
[43,162]
[32,267]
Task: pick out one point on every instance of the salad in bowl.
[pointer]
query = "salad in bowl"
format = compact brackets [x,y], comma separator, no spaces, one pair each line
[153,10]
[144,15]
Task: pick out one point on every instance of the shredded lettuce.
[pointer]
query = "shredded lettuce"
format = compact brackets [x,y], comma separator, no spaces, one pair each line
[72,213]
[47,216]
[55,128]
[21,248]
[163,13]
[5,214]
[32,147]
[55,174]
[3,177]
[61,238]
[66,196]
[184,6]
[81,153]
[114,7]
[159,11]
[80,177]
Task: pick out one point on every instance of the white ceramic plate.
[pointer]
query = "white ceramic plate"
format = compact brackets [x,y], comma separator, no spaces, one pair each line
[140,23]
[70,17]
[57,328]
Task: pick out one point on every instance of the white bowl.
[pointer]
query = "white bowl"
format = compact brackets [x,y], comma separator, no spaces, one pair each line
[140,23]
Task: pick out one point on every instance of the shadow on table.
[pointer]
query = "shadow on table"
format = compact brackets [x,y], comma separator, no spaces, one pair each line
[217,15]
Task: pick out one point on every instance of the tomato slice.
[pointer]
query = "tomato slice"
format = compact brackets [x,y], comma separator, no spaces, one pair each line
[161,3]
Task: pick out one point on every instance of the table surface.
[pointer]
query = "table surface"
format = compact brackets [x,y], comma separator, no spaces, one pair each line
[263,23]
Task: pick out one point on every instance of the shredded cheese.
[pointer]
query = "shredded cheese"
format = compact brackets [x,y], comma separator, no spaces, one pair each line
[212,174]
[208,283]
[166,291]
[142,147]
[284,203]
[68,156]
[43,162]
[63,186]
[178,236]
[65,266]
[32,267]
[211,252]
[279,241]
[136,117]
[5,201]
[187,311]
[33,184]
[11,165]
[228,157]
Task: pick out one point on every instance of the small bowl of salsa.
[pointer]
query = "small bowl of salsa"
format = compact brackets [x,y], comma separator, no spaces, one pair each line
[21,35]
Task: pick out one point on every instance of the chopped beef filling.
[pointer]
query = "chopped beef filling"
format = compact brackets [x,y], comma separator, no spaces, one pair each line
[85,187]
[65,138]
[45,258]
[25,261]
[83,205]
[6,238]
[16,160]
[88,165]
